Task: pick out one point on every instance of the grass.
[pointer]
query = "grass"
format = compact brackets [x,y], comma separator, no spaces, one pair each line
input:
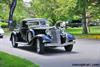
[94,32]
[7,60]
[78,30]
[74,31]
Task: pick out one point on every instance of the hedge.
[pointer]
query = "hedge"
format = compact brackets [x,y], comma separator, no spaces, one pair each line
[3,24]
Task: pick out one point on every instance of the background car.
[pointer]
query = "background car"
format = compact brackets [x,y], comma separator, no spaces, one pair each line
[1,32]
[74,23]
[93,23]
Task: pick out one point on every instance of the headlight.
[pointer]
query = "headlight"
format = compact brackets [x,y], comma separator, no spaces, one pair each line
[48,32]
[62,31]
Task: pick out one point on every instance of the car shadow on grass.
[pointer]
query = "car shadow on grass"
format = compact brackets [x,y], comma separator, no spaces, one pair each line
[48,51]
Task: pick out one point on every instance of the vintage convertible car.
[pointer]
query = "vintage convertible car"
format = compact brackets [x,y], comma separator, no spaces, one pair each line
[36,32]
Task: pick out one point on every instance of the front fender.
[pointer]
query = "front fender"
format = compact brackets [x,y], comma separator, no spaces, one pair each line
[70,36]
[45,38]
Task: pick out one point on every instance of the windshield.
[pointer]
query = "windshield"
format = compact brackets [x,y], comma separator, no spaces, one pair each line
[43,22]
[38,23]
[32,24]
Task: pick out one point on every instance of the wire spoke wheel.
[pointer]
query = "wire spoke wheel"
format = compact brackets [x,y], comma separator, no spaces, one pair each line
[39,47]
[14,44]
[13,40]
[29,36]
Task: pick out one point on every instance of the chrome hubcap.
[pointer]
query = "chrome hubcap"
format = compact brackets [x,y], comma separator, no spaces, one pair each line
[29,37]
[13,41]
[38,46]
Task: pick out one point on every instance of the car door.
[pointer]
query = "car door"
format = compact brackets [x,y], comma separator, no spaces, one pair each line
[23,30]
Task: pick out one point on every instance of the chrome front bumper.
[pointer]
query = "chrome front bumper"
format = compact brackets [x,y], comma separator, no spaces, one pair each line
[60,45]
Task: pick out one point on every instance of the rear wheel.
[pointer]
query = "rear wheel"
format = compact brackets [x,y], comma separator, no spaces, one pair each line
[39,46]
[14,44]
[69,48]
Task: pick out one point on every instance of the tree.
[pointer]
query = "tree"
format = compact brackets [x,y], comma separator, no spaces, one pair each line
[12,6]
[3,10]
[82,7]
[85,7]
[12,14]
[88,9]
[54,10]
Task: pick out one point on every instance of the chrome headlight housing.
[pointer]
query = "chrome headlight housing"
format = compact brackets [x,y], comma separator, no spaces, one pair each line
[48,32]
[62,31]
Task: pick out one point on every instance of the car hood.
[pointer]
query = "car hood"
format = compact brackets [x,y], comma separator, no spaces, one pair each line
[1,31]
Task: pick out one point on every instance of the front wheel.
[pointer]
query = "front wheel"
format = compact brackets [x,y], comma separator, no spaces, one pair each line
[14,44]
[69,48]
[39,46]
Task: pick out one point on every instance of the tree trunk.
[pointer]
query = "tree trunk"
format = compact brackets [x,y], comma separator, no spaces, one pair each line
[10,19]
[85,27]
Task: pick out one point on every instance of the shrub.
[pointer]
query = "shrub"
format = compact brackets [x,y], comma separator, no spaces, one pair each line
[3,24]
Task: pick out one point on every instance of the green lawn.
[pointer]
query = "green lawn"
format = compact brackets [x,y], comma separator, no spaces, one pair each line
[7,60]
[78,30]
[94,32]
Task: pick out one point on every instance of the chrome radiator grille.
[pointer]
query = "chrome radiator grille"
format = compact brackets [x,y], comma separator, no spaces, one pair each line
[55,35]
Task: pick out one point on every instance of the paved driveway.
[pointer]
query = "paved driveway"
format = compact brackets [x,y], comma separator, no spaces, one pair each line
[86,53]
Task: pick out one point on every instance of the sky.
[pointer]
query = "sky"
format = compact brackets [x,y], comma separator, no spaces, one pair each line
[27,0]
